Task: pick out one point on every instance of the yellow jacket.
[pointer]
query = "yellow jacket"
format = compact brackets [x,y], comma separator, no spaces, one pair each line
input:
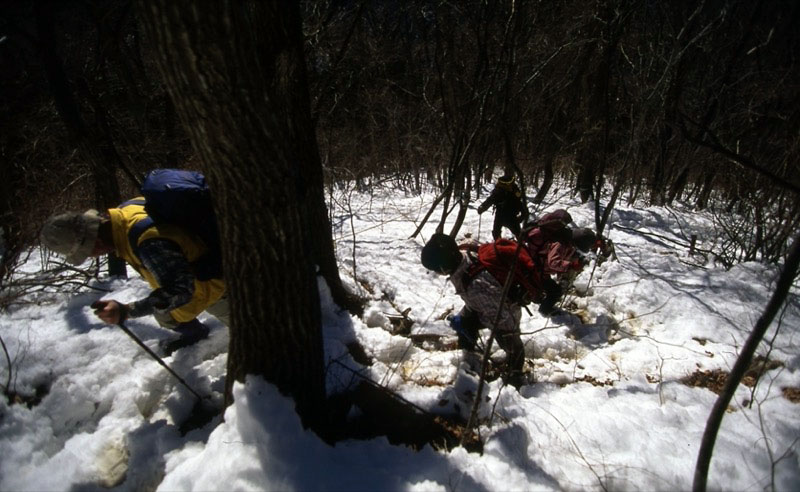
[206,292]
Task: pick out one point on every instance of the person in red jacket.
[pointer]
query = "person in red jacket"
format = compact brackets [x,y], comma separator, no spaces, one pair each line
[559,249]
[484,302]
[560,257]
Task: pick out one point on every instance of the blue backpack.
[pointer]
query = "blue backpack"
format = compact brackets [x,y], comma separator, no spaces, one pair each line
[181,198]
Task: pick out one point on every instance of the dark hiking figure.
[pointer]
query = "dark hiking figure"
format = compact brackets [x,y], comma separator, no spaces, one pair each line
[510,210]
[164,256]
[478,285]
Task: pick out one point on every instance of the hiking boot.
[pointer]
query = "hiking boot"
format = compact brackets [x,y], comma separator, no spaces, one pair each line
[515,379]
[190,332]
[550,311]
[518,379]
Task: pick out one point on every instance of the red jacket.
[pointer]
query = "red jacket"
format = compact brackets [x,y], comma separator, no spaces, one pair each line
[554,256]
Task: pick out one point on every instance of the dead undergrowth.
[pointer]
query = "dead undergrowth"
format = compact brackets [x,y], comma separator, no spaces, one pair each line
[714,379]
[791,394]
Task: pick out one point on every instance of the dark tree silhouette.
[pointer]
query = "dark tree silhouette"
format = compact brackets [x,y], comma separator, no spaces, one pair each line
[96,148]
[236,74]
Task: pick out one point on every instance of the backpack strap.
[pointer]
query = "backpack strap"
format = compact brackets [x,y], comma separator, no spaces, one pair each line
[138,228]
[136,232]
[475,267]
[207,267]
[133,201]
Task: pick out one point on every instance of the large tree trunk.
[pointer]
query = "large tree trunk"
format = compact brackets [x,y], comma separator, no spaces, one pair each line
[236,73]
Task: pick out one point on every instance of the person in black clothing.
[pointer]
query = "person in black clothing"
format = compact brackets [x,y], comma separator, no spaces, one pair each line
[510,211]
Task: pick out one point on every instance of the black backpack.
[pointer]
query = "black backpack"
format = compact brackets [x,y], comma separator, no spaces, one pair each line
[181,198]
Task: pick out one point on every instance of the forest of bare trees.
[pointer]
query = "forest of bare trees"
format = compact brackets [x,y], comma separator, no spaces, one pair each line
[610,100]
[656,103]
[638,101]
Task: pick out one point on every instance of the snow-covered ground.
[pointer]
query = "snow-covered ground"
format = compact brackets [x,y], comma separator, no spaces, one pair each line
[605,408]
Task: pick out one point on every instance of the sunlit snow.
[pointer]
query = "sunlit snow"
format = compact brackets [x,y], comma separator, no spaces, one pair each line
[605,409]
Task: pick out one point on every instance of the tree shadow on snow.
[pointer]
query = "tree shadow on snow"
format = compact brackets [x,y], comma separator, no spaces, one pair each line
[514,440]
[592,335]
[696,292]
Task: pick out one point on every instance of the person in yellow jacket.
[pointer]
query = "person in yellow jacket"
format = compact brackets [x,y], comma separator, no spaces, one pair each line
[164,255]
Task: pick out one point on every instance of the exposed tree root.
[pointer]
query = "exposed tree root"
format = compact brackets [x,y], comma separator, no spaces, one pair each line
[379,412]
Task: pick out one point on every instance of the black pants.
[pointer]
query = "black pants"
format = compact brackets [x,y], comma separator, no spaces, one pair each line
[552,293]
[509,222]
[512,344]
[509,342]
[470,325]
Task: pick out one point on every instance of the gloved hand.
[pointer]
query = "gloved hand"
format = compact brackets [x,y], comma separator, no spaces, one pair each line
[455,322]
[111,311]
[482,209]
[579,263]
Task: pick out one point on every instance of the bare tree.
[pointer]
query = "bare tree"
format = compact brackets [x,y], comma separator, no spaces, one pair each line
[743,362]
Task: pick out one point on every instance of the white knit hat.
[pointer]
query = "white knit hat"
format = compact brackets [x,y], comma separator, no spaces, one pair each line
[72,234]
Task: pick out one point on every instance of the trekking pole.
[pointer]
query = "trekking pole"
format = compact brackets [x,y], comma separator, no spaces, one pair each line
[157,358]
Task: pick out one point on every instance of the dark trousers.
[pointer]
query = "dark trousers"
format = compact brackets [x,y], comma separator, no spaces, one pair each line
[470,325]
[509,342]
[512,344]
[510,223]
[552,293]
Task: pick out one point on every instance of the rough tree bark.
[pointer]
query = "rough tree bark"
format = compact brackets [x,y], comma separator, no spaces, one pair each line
[236,73]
